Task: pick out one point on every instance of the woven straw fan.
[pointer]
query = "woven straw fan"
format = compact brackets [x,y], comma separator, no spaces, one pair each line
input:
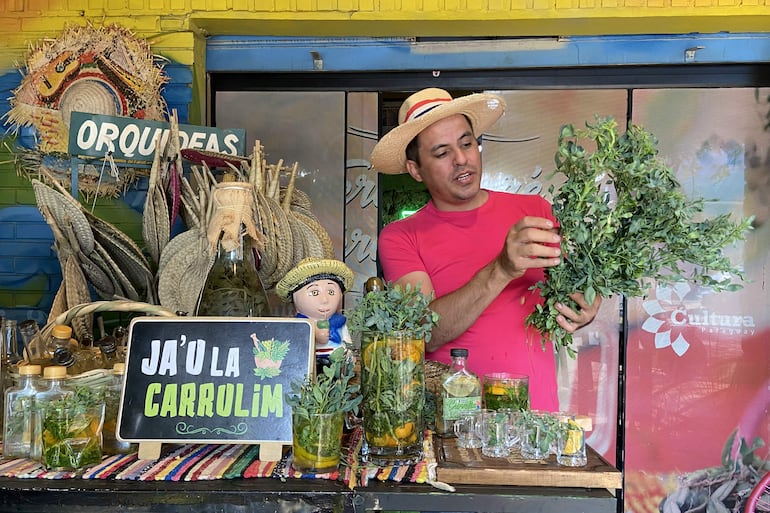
[155,221]
[185,264]
[65,211]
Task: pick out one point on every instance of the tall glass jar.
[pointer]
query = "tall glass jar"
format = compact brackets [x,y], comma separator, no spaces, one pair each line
[70,422]
[20,429]
[393,387]
[112,391]
[233,286]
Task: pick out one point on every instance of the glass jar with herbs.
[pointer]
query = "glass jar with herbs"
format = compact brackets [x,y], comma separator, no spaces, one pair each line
[20,429]
[393,324]
[70,422]
[233,286]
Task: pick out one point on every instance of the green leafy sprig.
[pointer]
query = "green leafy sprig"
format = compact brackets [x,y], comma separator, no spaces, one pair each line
[647,230]
[329,392]
[394,308]
[271,349]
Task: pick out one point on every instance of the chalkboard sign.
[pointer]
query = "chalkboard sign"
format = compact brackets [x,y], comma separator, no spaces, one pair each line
[212,379]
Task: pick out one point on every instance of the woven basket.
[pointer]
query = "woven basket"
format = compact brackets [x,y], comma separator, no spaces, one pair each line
[98,377]
[105,306]
[433,372]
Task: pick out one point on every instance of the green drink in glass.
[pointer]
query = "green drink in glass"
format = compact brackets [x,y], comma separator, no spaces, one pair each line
[506,390]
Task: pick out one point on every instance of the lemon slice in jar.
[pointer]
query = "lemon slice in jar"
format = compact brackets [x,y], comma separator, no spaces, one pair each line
[574,438]
[461,386]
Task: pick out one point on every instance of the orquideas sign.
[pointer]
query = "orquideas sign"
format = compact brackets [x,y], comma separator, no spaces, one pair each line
[125,138]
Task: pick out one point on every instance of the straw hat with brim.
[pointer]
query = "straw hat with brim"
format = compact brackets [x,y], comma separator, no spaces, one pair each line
[424,108]
[311,269]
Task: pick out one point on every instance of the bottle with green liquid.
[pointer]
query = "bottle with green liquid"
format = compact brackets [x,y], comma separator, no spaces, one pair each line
[460,391]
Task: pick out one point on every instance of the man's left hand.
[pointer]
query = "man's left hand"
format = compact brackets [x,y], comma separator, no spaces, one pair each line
[572,320]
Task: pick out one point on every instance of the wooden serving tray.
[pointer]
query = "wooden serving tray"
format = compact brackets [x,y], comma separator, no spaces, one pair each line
[458,465]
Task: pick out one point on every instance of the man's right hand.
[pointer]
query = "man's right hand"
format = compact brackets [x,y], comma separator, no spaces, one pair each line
[531,243]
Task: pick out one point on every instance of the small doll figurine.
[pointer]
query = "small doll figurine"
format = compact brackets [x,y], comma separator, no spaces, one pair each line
[316,287]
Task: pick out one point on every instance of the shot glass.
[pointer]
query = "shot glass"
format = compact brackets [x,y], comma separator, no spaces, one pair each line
[539,433]
[514,426]
[571,444]
[466,429]
[494,434]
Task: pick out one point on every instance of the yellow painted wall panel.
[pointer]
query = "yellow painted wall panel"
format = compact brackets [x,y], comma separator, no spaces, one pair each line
[387,5]
[77,5]
[306,5]
[173,24]
[499,5]
[181,56]
[9,26]
[173,40]
[283,5]
[37,5]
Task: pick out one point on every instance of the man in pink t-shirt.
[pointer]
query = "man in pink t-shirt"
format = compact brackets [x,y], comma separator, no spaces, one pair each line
[479,251]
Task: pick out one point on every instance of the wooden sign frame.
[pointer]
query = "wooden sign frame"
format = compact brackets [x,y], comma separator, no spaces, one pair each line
[212,380]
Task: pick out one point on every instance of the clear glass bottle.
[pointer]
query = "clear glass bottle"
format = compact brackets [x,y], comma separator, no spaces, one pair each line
[9,358]
[60,337]
[460,391]
[73,361]
[11,342]
[35,347]
[109,351]
[233,286]
[70,422]
[20,433]
[91,353]
[121,337]
[112,391]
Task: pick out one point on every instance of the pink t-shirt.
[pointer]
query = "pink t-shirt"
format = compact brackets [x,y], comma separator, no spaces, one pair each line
[451,247]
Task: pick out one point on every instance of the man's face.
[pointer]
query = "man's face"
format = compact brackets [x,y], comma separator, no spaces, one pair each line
[318,300]
[450,164]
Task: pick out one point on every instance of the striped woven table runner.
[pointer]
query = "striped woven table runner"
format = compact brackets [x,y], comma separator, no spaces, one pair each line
[200,462]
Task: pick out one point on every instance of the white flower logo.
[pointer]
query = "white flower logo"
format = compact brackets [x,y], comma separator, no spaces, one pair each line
[667,318]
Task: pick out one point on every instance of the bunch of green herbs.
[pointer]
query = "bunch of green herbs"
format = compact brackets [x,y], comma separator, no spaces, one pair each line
[394,308]
[71,430]
[331,391]
[393,376]
[647,230]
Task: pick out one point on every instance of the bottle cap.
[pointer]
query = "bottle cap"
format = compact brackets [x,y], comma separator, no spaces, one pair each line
[63,356]
[29,370]
[458,351]
[374,284]
[62,331]
[55,372]
[108,344]
[28,326]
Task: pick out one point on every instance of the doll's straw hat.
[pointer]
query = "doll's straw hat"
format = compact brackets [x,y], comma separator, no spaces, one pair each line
[424,108]
[311,269]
